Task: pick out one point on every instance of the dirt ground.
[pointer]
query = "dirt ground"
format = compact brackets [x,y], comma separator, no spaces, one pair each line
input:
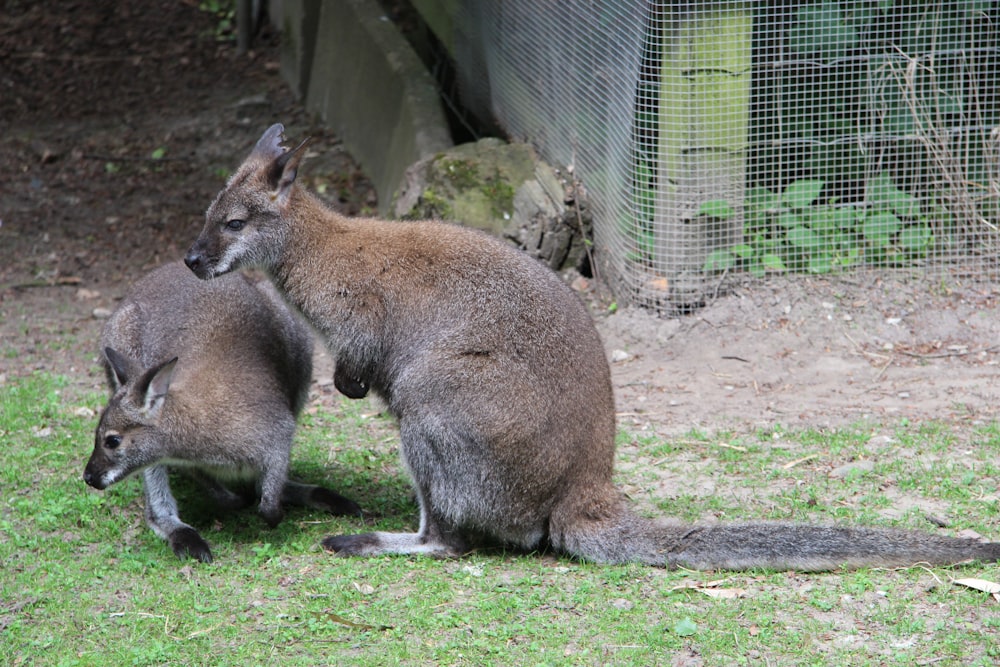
[119,121]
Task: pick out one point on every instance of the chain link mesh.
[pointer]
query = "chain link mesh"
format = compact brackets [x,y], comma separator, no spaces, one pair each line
[717,139]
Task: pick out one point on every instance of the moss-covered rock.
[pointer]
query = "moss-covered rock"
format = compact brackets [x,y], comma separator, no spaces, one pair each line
[503,189]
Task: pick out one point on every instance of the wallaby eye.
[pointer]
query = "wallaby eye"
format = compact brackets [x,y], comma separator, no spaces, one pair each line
[112,441]
[235,225]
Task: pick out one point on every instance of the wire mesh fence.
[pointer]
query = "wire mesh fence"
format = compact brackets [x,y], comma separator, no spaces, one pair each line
[729,138]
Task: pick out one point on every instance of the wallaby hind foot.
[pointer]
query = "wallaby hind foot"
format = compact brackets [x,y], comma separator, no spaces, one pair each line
[319,498]
[430,540]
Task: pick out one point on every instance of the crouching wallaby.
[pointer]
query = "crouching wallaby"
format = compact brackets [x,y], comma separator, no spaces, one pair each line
[499,381]
[207,377]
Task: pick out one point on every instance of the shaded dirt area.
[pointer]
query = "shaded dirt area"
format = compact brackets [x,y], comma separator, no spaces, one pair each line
[120,120]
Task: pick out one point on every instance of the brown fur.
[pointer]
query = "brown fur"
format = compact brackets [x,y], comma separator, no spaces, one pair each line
[499,381]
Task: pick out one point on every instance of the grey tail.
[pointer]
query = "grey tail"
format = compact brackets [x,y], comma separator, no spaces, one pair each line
[621,537]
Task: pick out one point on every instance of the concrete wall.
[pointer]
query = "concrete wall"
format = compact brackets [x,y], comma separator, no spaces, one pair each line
[360,76]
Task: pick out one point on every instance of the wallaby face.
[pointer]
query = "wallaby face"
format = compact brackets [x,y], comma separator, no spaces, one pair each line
[243,225]
[499,381]
[129,437]
[207,378]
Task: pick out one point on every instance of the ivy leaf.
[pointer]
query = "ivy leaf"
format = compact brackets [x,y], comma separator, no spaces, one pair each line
[716,208]
[879,228]
[773,262]
[821,263]
[804,238]
[802,193]
[762,199]
[685,627]
[915,238]
[719,260]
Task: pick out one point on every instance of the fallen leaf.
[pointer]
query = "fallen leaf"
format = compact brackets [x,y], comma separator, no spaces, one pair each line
[659,284]
[685,627]
[724,593]
[983,585]
[364,589]
[336,618]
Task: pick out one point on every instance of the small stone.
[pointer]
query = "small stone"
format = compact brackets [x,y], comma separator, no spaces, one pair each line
[619,356]
[853,468]
[101,313]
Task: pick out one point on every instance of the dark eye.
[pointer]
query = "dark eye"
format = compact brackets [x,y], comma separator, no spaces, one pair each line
[235,225]
[112,441]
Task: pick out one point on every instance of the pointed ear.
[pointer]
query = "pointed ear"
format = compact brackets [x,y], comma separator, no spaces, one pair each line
[154,384]
[120,367]
[269,145]
[283,171]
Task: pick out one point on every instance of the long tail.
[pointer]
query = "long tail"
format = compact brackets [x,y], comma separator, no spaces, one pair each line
[620,537]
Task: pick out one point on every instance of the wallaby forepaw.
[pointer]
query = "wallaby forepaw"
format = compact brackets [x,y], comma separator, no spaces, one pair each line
[349,386]
[333,502]
[364,544]
[187,543]
[272,517]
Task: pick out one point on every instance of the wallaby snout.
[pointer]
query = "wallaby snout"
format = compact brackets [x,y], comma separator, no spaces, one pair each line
[194,261]
[93,477]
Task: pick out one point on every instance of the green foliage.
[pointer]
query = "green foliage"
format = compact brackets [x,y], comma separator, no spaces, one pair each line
[878,83]
[224,12]
[797,230]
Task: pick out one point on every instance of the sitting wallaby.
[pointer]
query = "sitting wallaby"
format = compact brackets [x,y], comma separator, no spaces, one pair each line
[500,383]
[207,377]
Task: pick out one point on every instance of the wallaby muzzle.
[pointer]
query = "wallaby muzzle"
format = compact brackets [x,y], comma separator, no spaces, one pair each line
[198,262]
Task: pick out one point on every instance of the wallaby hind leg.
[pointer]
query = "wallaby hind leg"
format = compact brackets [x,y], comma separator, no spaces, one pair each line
[162,517]
[320,498]
[430,540]
[222,495]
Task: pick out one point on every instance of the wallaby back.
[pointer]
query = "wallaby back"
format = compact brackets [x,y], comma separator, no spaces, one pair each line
[207,376]
[499,381]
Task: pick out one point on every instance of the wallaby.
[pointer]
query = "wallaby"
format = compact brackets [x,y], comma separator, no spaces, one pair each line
[207,377]
[499,381]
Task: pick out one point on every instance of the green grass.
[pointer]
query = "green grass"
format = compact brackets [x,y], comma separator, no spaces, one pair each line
[85,582]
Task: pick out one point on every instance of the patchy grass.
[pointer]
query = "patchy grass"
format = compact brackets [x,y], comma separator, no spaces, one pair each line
[85,582]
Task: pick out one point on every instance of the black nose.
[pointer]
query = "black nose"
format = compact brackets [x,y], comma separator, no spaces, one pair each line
[193,261]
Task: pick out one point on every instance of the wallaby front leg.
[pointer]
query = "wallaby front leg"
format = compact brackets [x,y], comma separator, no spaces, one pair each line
[162,517]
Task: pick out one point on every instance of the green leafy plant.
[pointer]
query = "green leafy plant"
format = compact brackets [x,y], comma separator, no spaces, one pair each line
[796,230]
[224,12]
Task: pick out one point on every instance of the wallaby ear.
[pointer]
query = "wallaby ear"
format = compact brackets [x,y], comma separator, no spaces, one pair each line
[154,384]
[284,169]
[269,145]
[121,367]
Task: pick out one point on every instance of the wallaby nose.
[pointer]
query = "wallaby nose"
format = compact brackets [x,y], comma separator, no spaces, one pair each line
[193,261]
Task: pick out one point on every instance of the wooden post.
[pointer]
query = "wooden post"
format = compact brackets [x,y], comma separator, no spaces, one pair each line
[704,108]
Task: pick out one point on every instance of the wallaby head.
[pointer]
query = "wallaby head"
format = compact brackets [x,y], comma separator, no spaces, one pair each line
[243,226]
[128,432]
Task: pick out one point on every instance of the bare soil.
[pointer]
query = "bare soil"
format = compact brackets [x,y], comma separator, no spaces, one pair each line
[120,120]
